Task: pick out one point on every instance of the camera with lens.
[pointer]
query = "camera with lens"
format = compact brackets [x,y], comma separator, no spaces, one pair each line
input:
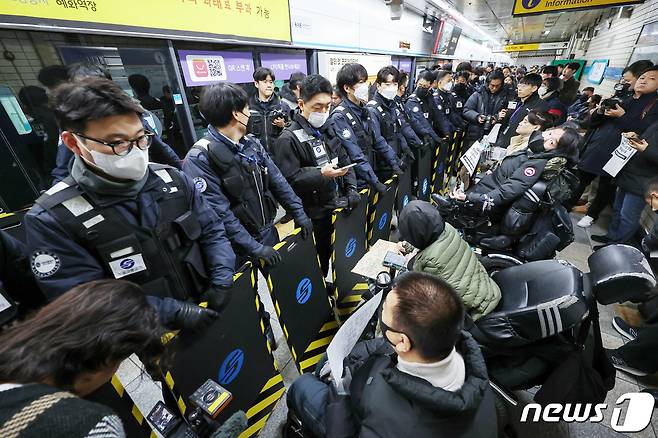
[621,89]
[487,123]
[610,103]
[277,114]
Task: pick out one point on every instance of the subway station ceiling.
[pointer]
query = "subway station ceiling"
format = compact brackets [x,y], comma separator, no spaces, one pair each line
[495,18]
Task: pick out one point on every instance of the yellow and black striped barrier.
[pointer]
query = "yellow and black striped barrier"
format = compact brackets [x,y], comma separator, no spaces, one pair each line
[380,212]
[299,294]
[348,241]
[233,352]
[114,395]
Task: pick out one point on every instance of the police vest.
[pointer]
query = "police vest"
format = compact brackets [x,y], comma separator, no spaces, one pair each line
[421,105]
[319,150]
[443,103]
[245,182]
[364,137]
[390,125]
[165,261]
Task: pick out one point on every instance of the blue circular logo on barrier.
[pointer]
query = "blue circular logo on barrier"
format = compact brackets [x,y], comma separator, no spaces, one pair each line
[382,221]
[350,247]
[127,263]
[529,4]
[425,184]
[405,201]
[304,290]
[231,367]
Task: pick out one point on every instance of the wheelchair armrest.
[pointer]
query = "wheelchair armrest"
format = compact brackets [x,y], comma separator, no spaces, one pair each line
[620,273]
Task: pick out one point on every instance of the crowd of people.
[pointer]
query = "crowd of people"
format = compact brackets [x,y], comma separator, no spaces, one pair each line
[124,207]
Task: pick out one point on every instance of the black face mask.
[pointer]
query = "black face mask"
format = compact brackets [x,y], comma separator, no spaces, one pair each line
[536,143]
[459,87]
[386,328]
[422,92]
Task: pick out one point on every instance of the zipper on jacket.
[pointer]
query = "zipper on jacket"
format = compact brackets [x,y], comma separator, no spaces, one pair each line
[260,198]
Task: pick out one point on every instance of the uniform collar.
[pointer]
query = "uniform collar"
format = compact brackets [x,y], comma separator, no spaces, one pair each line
[218,136]
[101,187]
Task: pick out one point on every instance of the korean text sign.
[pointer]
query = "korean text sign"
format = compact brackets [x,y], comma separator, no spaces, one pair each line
[257,19]
[202,67]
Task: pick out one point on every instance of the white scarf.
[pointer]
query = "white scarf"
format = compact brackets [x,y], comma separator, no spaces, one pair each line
[448,374]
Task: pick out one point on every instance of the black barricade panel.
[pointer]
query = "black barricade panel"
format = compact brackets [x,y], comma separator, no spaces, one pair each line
[115,396]
[437,169]
[234,353]
[403,195]
[300,298]
[424,171]
[348,246]
[380,211]
[454,164]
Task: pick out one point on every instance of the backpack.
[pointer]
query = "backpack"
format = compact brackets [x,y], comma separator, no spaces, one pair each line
[562,186]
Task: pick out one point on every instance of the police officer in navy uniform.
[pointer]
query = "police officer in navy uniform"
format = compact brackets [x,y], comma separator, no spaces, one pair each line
[238,178]
[444,104]
[355,128]
[117,216]
[461,92]
[386,121]
[268,114]
[159,151]
[311,157]
[413,140]
[418,108]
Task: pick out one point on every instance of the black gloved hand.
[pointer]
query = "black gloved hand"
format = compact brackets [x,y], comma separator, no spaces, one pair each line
[427,141]
[217,297]
[398,171]
[380,187]
[192,317]
[307,228]
[269,255]
[353,198]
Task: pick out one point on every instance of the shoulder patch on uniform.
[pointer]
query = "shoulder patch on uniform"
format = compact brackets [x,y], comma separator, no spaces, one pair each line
[202,143]
[200,184]
[416,109]
[57,188]
[346,133]
[529,171]
[44,263]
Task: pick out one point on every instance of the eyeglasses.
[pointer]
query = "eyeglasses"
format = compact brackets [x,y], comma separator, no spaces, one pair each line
[123,147]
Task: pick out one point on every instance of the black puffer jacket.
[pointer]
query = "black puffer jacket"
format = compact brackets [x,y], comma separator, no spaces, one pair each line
[387,403]
[516,174]
[484,103]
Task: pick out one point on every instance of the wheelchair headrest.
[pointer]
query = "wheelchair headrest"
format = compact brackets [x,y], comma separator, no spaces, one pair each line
[620,273]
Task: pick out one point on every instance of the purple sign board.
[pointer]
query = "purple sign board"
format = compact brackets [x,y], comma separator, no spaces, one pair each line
[284,64]
[404,64]
[203,67]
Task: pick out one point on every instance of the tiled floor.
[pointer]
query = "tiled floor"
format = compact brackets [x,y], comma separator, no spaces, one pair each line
[146,393]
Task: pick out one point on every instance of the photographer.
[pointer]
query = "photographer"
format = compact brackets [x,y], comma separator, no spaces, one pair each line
[267,113]
[68,349]
[424,378]
[483,107]
[612,118]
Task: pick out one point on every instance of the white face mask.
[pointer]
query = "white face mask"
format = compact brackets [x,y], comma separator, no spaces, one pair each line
[447,87]
[131,166]
[388,91]
[361,92]
[542,90]
[317,120]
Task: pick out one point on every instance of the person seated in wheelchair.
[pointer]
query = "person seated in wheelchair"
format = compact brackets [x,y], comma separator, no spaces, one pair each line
[507,186]
[424,377]
[443,252]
